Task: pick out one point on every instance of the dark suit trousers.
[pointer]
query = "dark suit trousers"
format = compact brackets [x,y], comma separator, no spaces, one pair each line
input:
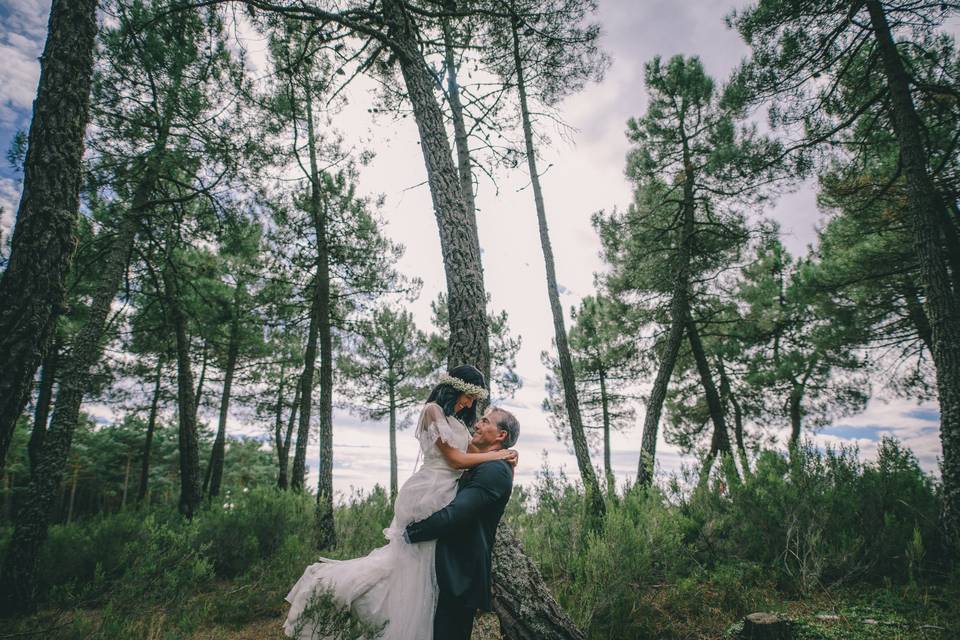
[452,620]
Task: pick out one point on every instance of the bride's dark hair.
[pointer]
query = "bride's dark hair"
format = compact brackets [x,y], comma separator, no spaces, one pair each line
[446,395]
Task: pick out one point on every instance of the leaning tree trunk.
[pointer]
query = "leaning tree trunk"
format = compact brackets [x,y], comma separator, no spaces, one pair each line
[942,306]
[577,436]
[215,469]
[284,450]
[18,583]
[42,411]
[44,239]
[466,296]
[299,471]
[190,495]
[514,593]
[720,440]
[521,600]
[151,427]
[326,533]
[679,312]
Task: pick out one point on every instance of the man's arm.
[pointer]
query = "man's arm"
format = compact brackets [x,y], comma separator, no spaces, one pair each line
[490,483]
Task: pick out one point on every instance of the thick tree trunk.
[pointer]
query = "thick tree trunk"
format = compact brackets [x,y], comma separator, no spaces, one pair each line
[521,600]
[41,413]
[190,495]
[604,403]
[44,238]
[211,486]
[466,297]
[917,316]
[942,306]
[30,532]
[577,436]
[151,427]
[795,409]
[393,440]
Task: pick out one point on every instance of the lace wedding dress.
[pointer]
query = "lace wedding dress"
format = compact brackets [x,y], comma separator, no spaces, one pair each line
[395,584]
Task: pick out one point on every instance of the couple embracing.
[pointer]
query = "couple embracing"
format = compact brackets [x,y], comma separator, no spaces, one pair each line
[435,571]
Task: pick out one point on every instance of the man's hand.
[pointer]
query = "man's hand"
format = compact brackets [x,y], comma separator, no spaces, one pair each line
[512,457]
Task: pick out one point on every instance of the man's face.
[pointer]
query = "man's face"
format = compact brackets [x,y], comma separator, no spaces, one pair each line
[486,433]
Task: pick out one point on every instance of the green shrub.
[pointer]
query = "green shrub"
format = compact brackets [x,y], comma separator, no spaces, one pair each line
[251,525]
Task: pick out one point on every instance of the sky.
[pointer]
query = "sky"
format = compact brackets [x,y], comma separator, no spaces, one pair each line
[583,173]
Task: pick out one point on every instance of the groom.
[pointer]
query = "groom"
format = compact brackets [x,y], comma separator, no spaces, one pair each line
[466,528]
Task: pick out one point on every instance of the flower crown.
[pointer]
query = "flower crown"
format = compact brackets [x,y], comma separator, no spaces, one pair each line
[463,386]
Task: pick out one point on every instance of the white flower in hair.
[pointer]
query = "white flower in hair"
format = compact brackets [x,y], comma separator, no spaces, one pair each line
[463,386]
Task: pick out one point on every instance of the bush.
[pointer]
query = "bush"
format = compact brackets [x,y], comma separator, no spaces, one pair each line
[242,529]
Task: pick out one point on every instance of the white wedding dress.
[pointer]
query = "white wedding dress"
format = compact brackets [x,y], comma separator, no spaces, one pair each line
[395,584]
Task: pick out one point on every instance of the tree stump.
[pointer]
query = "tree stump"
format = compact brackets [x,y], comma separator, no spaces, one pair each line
[766,626]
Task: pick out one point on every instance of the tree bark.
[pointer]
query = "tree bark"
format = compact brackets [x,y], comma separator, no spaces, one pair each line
[604,404]
[726,395]
[151,426]
[215,468]
[282,478]
[393,438]
[577,436]
[466,296]
[190,495]
[198,394]
[299,471]
[679,312]
[720,441]
[942,306]
[48,375]
[319,211]
[32,287]
[126,481]
[30,532]
[521,600]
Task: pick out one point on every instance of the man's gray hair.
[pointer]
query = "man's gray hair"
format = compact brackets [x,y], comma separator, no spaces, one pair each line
[506,421]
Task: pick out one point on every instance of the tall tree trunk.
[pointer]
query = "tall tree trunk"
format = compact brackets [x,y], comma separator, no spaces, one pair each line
[151,427]
[679,313]
[215,469]
[605,406]
[942,306]
[393,438]
[190,495]
[48,375]
[18,576]
[32,286]
[466,296]
[282,478]
[917,315]
[198,394]
[326,533]
[577,436]
[796,416]
[299,471]
[126,481]
[73,493]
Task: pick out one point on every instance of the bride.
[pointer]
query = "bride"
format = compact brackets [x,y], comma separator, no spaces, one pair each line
[396,584]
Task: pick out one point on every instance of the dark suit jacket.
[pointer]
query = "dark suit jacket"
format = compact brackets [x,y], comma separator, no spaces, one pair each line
[465,531]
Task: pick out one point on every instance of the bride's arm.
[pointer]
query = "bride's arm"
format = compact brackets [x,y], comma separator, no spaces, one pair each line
[460,460]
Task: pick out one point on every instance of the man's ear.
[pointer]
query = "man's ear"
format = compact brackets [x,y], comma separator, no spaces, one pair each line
[502,436]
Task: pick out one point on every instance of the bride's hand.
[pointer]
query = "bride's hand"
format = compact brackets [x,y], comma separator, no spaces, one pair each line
[511,456]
